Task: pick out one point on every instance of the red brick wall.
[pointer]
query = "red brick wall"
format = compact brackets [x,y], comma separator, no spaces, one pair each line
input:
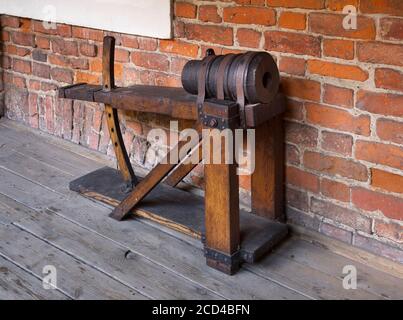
[344,124]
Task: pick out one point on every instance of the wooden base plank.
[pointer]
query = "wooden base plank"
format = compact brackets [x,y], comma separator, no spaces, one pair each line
[180,210]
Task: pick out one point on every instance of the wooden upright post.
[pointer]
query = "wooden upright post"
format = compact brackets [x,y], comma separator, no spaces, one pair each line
[267,179]
[222,212]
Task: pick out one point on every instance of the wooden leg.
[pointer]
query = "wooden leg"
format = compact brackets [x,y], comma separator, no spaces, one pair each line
[182,170]
[155,176]
[267,179]
[222,215]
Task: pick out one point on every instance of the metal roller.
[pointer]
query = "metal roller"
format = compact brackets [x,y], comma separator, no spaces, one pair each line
[260,79]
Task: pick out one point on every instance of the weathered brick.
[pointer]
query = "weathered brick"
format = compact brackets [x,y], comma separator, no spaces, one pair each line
[336,232]
[387,180]
[179,47]
[42,42]
[153,61]
[148,44]
[87,34]
[23,39]
[302,219]
[292,66]
[62,75]
[294,109]
[17,51]
[69,48]
[304,4]
[343,49]
[301,88]
[248,38]
[130,41]
[301,134]
[391,7]
[337,142]
[209,13]
[337,119]
[41,70]
[377,52]
[292,20]
[292,154]
[336,70]
[340,214]
[389,79]
[332,25]
[296,43]
[22,66]
[380,103]
[390,130]
[302,179]
[88,49]
[338,5]
[250,15]
[389,230]
[209,33]
[9,21]
[379,153]
[390,206]
[391,28]
[335,190]
[39,55]
[185,10]
[297,199]
[62,30]
[332,165]
[341,97]
[88,77]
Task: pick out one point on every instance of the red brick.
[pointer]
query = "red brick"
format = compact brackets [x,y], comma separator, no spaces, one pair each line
[19,82]
[34,85]
[392,231]
[336,232]
[301,134]
[387,181]
[22,66]
[302,179]
[167,80]
[296,43]
[62,30]
[292,154]
[377,52]
[185,10]
[251,2]
[122,55]
[338,5]
[177,64]
[4,36]
[87,49]
[42,42]
[208,33]
[130,41]
[68,48]
[250,15]
[337,119]
[378,153]
[18,51]
[148,44]
[292,20]
[248,38]
[294,109]
[297,199]
[153,61]
[23,39]
[391,28]
[300,218]
[304,4]
[332,25]
[292,66]
[336,70]
[389,79]
[390,206]
[87,34]
[340,214]
[341,97]
[8,21]
[301,88]
[379,248]
[87,77]
[41,70]
[391,7]
[179,47]
[62,75]
[337,142]
[335,166]
[335,190]
[209,14]
[342,49]
[380,103]
[390,130]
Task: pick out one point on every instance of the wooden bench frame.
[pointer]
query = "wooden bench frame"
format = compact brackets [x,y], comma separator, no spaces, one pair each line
[230,236]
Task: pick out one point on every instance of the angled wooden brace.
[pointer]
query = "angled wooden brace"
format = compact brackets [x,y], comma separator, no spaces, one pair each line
[108,81]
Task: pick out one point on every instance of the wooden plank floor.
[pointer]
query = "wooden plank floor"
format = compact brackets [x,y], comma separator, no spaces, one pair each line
[44,223]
